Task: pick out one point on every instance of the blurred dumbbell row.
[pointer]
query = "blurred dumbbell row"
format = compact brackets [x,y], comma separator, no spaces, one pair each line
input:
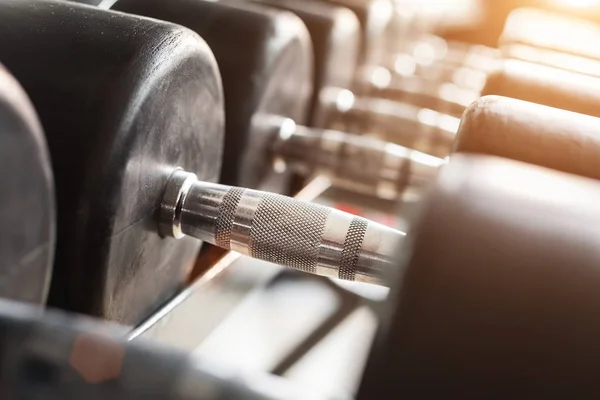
[133,131]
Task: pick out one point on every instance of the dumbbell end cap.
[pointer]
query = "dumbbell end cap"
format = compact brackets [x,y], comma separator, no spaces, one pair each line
[178,186]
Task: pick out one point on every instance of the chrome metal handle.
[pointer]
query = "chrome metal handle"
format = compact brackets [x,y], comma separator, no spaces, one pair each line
[356,162]
[270,227]
[418,128]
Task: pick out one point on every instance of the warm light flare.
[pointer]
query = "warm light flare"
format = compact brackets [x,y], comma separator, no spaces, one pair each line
[575,3]
[554,31]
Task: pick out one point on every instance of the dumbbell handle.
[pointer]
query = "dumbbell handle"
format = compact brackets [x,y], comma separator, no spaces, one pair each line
[425,130]
[270,227]
[356,162]
[425,55]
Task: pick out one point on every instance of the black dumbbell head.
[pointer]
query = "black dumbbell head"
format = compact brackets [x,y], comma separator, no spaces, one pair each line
[123,100]
[336,38]
[497,295]
[545,85]
[531,133]
[27,212]
[375,17]
[264,56]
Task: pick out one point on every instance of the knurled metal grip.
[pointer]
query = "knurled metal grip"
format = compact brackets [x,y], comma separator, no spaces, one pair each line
[288,232]
[351,249]
[296,234]
[226,217]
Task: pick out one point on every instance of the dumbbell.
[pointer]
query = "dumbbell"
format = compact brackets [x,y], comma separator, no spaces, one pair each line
[326,23]
[122,100]
[436,58]
[497,290]
[382,166]
[210,18]
[552,84]
[429,72]
[27,213]
[493,125]
[364,109]
[532,51]
[545,68]
[389,28]
[447,95]
[337,30]
[336,34]
[361,164]
[119,126]
[526,73]
[272,76]
[426,67]
[523,131]
[545,85]
[375,17]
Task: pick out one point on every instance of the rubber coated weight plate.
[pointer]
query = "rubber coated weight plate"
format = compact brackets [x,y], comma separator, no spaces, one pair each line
[265,61]
[335,34]
[498,296]
[27,214]
[532,133]
[375,17]
[546,85]
[124,100]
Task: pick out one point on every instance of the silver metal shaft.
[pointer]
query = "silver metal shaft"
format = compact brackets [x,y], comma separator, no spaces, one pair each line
[270,227]
[445,97]
[418,128]
[419,57]
[356,162]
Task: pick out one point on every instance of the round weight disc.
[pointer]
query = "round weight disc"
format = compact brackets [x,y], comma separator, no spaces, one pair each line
[375,17]
[497,288]
[532,133]
[124,101]
[546,85]
[336,38]
[27,215]
[264,56]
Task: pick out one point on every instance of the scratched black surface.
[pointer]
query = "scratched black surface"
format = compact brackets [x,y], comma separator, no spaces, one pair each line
[123,100]
[27,212]
[374,23]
